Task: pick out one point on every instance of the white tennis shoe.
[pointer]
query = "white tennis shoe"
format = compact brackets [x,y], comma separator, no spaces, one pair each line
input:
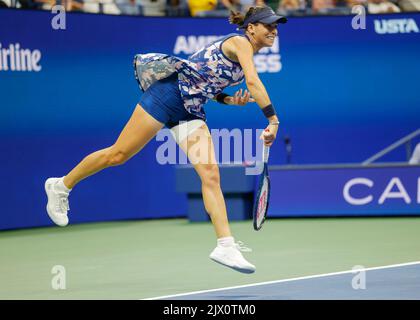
[58,203]
[232,257]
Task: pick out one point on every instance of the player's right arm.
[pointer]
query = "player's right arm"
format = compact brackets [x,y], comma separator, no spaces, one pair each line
[245,54]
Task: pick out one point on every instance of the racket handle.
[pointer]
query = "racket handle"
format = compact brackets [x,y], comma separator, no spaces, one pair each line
[266,153]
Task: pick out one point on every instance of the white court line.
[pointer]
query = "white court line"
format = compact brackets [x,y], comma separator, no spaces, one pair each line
[284,280]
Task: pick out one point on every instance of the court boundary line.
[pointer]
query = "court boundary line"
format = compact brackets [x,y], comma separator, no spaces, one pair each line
[285,280]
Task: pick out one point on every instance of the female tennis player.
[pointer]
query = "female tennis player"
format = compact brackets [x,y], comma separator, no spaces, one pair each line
[175,91]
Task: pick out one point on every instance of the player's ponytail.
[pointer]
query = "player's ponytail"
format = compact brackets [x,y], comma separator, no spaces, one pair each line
[236,18]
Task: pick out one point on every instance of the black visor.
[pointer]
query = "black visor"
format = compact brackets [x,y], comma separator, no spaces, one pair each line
[266,16]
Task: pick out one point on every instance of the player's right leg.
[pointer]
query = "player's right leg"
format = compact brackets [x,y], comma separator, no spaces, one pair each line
[138,131]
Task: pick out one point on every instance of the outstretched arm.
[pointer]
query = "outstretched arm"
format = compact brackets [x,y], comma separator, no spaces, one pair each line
[245,54]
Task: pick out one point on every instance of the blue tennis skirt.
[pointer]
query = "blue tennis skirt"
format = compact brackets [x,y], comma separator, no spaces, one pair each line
[163,101]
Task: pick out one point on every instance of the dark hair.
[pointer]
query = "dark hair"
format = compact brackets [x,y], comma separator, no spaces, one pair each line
[238,18]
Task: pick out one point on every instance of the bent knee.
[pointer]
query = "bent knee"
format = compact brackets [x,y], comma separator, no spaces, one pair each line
[210,175]
[116,157]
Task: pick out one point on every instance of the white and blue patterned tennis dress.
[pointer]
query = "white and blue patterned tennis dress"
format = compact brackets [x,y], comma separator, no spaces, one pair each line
[176,89]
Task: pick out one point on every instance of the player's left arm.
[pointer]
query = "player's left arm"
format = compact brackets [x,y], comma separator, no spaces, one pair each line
[240,98]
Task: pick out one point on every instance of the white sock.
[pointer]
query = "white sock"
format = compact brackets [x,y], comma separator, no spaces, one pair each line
[60,186]
[226,242]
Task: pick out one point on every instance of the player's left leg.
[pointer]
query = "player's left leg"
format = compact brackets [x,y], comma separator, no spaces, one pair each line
[198,145]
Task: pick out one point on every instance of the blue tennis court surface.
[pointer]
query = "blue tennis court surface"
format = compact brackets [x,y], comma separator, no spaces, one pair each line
[388,282]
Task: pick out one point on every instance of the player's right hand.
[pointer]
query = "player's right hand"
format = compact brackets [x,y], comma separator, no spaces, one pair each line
[269,134]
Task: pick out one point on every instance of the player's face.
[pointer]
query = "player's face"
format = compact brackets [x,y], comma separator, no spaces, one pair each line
[265,34]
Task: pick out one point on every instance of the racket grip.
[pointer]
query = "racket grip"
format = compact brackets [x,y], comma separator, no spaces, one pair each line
[266,153]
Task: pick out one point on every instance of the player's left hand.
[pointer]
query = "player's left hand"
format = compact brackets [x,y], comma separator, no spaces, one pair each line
[241,98]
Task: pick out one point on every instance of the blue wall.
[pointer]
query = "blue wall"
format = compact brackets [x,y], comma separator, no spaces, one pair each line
[342,94]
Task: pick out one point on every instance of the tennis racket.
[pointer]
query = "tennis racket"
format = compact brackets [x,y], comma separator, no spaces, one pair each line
[263,193]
